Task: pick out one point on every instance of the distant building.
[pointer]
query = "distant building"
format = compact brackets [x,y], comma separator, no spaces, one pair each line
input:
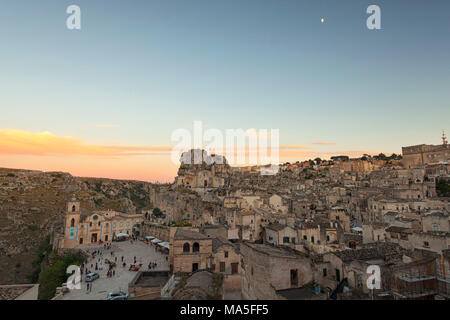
[426,154]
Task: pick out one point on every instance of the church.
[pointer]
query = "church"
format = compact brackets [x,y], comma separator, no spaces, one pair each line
[95,226]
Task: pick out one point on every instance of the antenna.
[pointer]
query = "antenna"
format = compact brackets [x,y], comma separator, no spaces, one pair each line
[444,138]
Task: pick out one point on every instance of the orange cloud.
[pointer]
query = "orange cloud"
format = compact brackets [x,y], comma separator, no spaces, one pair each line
[325,143]
[46,143]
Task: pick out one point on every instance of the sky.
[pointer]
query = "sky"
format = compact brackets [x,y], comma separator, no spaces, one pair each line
[104,100]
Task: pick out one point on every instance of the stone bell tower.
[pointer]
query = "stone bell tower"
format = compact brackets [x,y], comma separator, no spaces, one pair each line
[71,232]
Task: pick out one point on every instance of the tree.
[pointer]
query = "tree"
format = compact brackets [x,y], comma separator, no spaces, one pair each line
[157,212]
[318,160]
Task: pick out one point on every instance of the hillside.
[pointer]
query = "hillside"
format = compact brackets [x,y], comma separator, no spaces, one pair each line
[32,205]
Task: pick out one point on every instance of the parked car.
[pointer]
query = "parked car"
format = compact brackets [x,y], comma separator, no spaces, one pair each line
[117,296]
[92,276]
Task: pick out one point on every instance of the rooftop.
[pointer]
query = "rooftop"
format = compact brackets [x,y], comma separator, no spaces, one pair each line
[184,234]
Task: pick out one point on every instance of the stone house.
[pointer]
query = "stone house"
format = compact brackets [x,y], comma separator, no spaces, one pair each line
[339,214]
[191,251]
[436,221]
[278,234]
[267,269]
[226,258]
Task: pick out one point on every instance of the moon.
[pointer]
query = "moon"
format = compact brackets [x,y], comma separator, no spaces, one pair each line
[322,20]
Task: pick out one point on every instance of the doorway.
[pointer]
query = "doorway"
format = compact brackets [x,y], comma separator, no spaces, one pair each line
[194,267]
[294,278]
[234,267]
[94,238]
[338,275]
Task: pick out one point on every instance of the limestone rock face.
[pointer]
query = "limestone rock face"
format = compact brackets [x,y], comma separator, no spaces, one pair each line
[32,206]
[198,169]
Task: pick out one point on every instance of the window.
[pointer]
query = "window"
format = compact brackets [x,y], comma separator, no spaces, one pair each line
[72,223]
[222,267]
[73,208]
[225,254]
[312,239]
[196,247]
[324,272]
[426,244]
[305,238]
[293,240]
[285,239]
[328,238]
[186,247]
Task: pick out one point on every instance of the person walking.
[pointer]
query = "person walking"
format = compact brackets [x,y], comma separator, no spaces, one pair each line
[87,287]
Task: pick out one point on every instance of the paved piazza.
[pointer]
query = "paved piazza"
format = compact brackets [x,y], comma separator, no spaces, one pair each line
[145,253]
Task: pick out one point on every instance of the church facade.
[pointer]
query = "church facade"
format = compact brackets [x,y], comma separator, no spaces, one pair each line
[93,227]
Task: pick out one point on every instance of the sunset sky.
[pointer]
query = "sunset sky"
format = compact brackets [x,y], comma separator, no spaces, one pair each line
[103,101]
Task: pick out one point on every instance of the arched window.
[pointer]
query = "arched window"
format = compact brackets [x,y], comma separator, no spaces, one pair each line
[195,247]
[73,208]
[72,223]
[186,247]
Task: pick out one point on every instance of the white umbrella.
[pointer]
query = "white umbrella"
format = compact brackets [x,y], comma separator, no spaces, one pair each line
[164,244]
[122,235]
[156,241]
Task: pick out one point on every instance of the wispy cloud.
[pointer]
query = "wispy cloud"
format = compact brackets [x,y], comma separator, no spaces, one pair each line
[325,143]
[100,125]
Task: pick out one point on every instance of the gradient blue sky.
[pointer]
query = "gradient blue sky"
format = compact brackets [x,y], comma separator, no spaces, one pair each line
[150,67]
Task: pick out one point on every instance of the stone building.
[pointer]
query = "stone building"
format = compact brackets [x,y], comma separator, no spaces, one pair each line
[436,221]
[374,231]
[422,154]
[267,270]
[278,234]
[190,251]
[92,227]
[339,214]
[226,258]
[200,170]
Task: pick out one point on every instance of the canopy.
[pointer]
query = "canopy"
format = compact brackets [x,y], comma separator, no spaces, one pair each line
[149,237]
[122,235]
[156,240]
[164,244]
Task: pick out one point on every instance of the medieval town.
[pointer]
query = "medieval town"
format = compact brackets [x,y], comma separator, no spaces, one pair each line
[369,228]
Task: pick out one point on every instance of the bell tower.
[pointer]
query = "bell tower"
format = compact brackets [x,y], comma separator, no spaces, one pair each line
[72,223]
